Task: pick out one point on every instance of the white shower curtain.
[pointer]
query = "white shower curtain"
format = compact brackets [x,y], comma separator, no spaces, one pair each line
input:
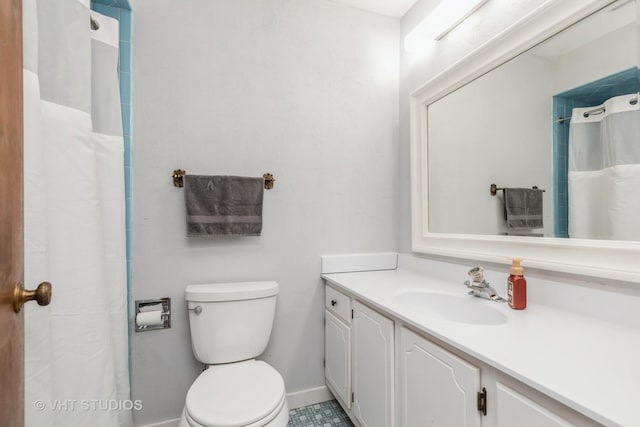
[604,170]
[76,349]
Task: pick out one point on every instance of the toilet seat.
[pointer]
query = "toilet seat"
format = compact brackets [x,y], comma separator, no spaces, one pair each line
[243,394]
[279,418]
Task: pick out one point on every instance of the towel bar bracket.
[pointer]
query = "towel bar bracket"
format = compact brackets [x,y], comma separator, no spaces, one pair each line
[178,179]
[268,181]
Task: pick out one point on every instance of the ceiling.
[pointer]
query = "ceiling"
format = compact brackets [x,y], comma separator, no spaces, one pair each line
[392,8]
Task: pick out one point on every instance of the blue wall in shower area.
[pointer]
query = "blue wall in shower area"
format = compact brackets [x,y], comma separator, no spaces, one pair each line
[588,95]
[120,4]
[121,10]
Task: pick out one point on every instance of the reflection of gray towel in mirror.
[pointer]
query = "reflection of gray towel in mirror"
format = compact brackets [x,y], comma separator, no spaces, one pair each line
[223,205]
[523,208]
[523,232]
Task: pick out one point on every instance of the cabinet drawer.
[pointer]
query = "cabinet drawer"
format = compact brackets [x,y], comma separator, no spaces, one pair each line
[338,303]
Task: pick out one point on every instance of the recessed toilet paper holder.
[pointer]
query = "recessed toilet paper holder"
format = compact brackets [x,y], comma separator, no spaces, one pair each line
[152,314]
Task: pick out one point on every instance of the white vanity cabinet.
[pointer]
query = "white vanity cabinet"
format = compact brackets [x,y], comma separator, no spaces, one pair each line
[337,364]
[386,372]
[373,367]
[359,360]
[438,388]
[337,344]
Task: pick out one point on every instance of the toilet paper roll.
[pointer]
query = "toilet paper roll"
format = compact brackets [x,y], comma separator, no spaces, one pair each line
[150,318]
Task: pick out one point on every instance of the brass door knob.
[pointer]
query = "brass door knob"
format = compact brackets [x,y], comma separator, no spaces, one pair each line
[42,295]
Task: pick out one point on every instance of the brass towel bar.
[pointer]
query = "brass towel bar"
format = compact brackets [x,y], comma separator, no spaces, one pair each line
[494,189]
[178,179]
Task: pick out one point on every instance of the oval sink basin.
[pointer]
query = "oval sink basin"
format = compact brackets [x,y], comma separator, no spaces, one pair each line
[461,309]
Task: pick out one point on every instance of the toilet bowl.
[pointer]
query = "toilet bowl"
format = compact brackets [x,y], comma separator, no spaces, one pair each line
[244,394]
[230,325]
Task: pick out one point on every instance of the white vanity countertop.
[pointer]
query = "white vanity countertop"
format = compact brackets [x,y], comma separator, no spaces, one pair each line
[590,365]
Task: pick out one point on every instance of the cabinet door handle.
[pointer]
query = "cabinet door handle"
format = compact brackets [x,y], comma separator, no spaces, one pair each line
[334,303]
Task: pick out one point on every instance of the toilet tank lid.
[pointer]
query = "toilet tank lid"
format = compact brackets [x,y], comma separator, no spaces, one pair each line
[230,291]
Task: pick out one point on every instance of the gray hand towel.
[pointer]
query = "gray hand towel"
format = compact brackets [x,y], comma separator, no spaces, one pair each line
[523,208]
[223,205]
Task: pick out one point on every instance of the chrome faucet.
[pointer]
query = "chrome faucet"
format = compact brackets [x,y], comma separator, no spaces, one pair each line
[480,287]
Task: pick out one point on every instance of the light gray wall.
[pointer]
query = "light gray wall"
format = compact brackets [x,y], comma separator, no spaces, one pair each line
[477,136]
[418,68]
[602,57]
[304,89]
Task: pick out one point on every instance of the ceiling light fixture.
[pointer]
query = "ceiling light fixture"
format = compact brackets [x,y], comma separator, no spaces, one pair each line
[443,18]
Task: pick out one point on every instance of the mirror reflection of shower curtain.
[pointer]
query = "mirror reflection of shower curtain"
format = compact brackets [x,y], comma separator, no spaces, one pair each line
[76,351]
[604,171]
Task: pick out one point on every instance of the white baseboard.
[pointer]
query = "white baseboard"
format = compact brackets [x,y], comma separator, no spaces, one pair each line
[167,423]
[308,397]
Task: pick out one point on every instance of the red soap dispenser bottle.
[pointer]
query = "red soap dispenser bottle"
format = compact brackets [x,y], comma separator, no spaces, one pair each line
[517,286]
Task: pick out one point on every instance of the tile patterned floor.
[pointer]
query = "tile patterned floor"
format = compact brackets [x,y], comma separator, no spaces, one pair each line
[326,414]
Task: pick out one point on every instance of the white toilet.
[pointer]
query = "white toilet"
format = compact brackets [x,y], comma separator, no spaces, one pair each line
[230,326]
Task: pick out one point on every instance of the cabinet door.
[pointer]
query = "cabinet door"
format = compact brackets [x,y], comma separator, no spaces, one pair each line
[372,368]
[337,357]
[438,388]
[516,409]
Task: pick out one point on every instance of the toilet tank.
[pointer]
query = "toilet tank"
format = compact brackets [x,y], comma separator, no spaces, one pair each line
[233,322]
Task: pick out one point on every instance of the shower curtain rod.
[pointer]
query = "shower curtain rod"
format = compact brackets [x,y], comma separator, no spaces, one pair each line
[598,110]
